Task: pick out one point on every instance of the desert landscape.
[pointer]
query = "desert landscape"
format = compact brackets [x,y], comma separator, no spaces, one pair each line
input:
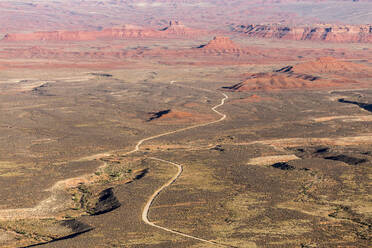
[185,123]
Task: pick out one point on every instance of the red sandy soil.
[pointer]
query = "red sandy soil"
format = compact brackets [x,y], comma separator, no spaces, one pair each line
[219,51]
[219,54]
[191,105]
[68,65]
[324,32]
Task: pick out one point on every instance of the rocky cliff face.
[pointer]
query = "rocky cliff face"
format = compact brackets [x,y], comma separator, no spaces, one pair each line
[331,33]
[175,29]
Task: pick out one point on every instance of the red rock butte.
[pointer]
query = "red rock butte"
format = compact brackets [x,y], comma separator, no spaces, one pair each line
[220,43]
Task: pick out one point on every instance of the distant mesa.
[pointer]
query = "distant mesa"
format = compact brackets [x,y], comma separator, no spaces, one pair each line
[109,33]
[320,32]
[175,29]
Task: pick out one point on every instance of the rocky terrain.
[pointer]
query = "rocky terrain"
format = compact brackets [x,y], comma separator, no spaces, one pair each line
[328,33]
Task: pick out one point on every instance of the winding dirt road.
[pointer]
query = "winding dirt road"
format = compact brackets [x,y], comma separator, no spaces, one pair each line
[223,116]
[145,212]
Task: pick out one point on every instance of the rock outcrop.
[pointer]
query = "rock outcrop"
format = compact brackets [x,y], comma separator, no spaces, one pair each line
[280,81]
[306,75]
[175,29]
[221,44]
[323,32]
[328,65]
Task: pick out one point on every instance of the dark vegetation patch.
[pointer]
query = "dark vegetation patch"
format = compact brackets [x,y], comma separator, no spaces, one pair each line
[156,115]
[230,87]
[107,202]
[218,148]
[322,150]
[347,159]
[285,69]
[76,226]
[41,90]
[141,174]
[364,106]
[327,153]
[101,74]
[283,166]
[310,152]
[308,77]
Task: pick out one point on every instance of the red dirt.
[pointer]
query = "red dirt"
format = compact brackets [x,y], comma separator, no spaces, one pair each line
[67,65]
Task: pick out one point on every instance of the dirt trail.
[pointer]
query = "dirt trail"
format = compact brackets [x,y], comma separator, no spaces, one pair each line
[147,207]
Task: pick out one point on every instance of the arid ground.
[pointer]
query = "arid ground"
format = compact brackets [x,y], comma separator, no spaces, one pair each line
[134,124]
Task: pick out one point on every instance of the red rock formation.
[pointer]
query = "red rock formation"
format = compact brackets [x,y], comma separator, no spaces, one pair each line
[279,81]
[328,65]
[126,31]
[175,29]
[331,33]
[221,43]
